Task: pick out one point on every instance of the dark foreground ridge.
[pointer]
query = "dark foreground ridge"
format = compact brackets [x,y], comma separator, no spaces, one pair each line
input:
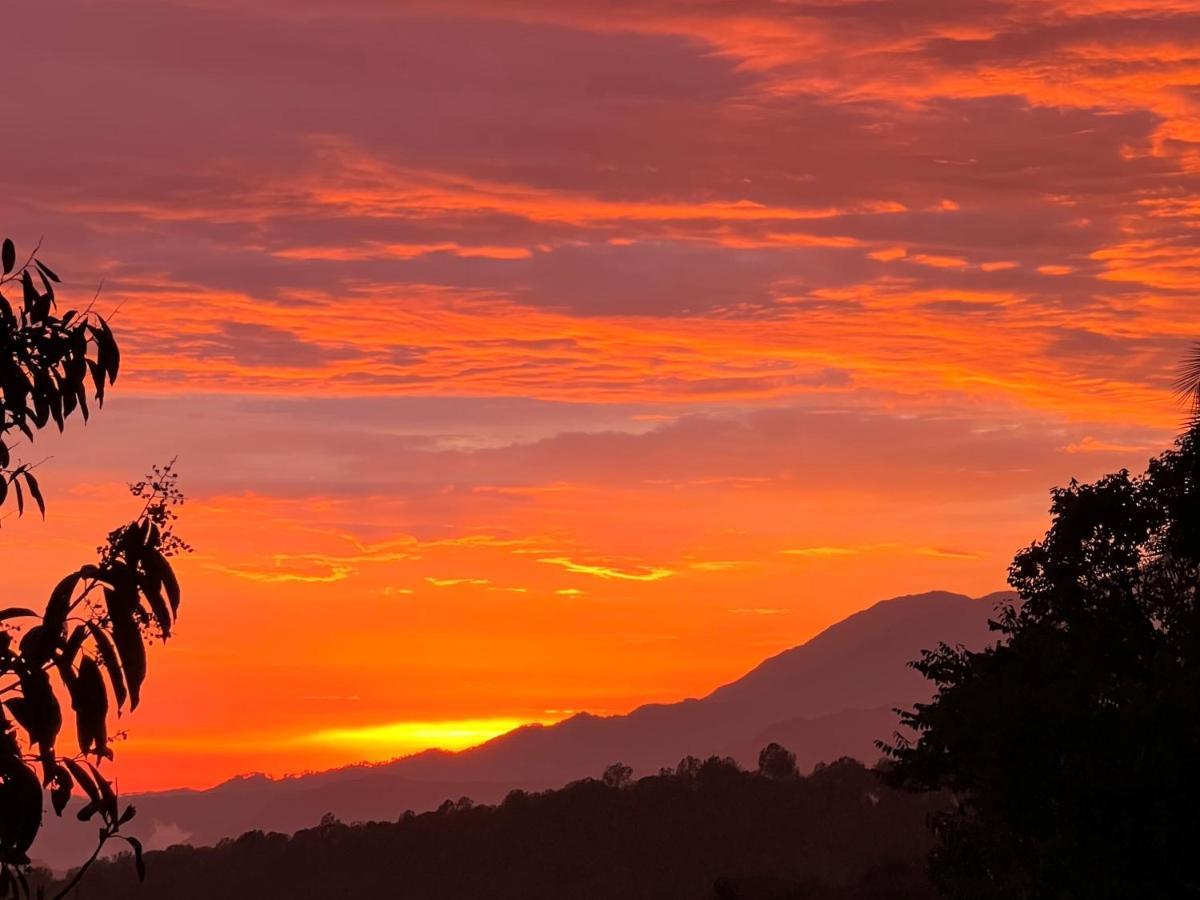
[703,830]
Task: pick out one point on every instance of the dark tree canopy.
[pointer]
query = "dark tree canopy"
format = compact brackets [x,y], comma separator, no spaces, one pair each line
[1071,747]
[702,831]
[87,644]
[618,775]
[776,761]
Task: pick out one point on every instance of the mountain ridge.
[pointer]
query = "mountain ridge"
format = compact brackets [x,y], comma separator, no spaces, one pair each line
[828,697]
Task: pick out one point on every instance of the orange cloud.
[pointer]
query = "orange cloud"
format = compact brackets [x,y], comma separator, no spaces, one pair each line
[857,281]
[650,573]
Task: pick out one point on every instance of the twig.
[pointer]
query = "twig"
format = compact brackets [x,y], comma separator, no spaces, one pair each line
[105,836]
[96,296]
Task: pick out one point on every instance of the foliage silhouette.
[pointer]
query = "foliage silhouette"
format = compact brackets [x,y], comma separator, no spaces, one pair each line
[1070,747]
[1187,383]
[705,829]
[91,636]
[618,775]
[777,762]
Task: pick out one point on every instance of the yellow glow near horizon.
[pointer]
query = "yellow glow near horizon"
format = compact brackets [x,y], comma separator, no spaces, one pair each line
[455,734]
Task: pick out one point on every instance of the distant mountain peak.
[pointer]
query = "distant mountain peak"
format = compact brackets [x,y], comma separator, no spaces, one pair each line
[885,635]
[829,697]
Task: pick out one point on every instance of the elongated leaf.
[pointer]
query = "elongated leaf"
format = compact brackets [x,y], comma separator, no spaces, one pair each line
[71,648]
[108,655]
[60,794]
[132,651]
[14,612]
[54,403]
[162,568]
[128,639]
[89,699]
[60,603]
[108,797]
[97,372]
[8,255]
[138,862]
[47,271]
[31,297]
[39,712]
[35,490]
[83,778]
[108,354]
[22,817]
[69,400]
[162,613]
[81,399]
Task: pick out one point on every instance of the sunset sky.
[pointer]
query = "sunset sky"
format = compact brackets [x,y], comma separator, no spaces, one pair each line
[537,356]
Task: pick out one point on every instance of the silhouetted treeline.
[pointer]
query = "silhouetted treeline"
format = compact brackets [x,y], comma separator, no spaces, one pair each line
[1070,745]
[704,830]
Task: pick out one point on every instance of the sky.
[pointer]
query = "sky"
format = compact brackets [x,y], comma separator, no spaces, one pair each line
[532,357]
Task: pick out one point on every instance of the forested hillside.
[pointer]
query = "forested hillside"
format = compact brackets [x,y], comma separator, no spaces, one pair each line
[705,829]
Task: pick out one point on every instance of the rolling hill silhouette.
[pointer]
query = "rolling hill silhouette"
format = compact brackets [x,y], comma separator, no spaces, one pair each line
[706,830]
[827,698]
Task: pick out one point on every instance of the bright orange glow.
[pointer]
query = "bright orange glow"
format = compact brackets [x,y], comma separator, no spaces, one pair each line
[409,737]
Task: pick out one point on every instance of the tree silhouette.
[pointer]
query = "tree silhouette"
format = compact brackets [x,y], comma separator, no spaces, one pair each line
[90,638]
[1187,381]
[709,831]
[776,762]
[1070,747]
[617,775]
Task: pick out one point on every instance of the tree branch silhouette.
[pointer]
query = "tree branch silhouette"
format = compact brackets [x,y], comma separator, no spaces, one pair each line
[89,642]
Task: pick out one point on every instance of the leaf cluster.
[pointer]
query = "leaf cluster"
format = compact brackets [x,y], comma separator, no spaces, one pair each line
[87,645]
[49,363]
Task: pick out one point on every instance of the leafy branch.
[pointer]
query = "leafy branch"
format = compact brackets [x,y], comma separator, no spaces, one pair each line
[89,642]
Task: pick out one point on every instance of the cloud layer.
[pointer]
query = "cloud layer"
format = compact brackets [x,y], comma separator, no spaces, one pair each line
[502,340]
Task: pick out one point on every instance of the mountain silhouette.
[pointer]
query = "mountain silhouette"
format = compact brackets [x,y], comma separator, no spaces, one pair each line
[827,698]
